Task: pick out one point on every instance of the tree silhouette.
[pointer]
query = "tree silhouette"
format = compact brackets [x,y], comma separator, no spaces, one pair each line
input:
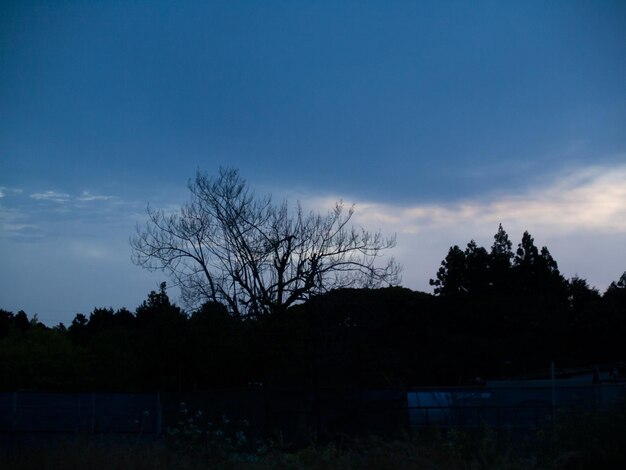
[619,286]
[451,275]
[6,320]
[527,253]
[537,271]
[227,245]
[501,258]
[463,272]
[477,277]
[160,339]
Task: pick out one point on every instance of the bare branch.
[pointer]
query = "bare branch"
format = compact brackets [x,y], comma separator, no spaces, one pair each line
[228,245]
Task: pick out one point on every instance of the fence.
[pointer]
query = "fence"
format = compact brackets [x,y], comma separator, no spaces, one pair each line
[80,412]
[521,407]
[299,413]
[296,413]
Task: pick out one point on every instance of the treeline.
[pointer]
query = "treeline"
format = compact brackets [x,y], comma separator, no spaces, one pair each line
[495,312]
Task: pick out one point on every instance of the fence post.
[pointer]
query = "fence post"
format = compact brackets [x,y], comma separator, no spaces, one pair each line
[553,377]
[499,416]
[159,413]
[15,411]
[93,412]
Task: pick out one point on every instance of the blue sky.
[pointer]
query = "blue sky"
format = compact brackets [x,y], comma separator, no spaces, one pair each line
[438,119]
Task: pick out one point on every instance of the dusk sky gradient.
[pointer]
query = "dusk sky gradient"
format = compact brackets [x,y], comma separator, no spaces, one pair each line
[439,120]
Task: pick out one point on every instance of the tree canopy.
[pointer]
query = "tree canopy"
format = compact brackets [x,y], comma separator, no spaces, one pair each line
[499,271]
[495,313]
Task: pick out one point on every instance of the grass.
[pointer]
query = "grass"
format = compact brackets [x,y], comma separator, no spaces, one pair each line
[579,440]
[369,453]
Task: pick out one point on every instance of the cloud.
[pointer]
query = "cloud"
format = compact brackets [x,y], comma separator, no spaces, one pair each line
[57,214]
[580,215]
[589,199]
[4,191]
[53,196]
[87,196]
[15,224]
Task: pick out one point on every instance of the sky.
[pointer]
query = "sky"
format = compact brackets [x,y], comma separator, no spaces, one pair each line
[438,120]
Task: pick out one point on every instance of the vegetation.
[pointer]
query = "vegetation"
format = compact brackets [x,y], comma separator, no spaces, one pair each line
[489,305]
[579,441]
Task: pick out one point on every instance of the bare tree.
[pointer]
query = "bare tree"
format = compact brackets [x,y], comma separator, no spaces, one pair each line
[258,257]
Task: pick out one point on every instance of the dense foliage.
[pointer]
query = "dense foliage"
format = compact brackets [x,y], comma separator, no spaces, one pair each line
[495,312]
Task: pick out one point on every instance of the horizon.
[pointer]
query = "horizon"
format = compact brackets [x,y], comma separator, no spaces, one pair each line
[438,121]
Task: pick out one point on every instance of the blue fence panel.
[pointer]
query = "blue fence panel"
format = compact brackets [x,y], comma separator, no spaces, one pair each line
[58,412]
[79,412]
[504,406]
[8,407]
[126,413]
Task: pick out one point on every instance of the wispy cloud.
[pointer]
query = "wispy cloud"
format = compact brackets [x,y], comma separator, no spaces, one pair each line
[59,197]
[87,196]
[17,225]
[56,213]
[53,196]
[4,191]
[24,232]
